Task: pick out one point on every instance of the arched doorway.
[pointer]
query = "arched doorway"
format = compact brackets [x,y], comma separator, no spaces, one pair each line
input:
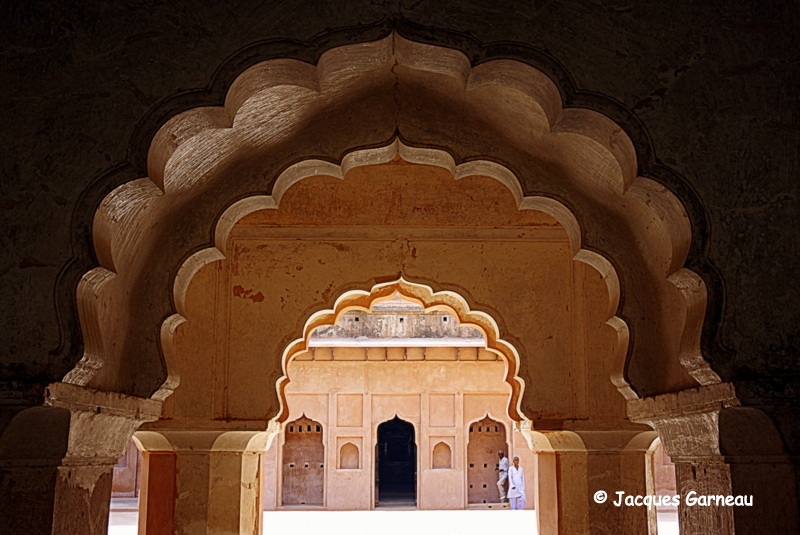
[396,464]
[303,464]
[486,438]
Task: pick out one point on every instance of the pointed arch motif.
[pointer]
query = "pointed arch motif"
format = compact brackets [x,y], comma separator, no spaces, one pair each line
[445,301]
[585,170]
[441,456]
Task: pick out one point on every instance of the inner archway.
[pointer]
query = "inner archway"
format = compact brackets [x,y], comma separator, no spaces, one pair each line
[393,357]
[486,438]
[303,481]
[342,247]
[396,464]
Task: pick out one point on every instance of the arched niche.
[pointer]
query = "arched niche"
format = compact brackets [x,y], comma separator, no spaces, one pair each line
[485,438]
[349,457]
[441,456]
[575,164]
[303,467]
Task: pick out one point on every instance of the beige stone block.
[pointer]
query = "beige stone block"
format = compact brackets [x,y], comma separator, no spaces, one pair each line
[376,353]
[323,353]
[415,353]
[350,353]
[395,353]
[441,353]
[485,354]
[349,410]
[468,353]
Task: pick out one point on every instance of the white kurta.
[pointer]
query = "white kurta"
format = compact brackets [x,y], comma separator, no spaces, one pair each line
[516,482]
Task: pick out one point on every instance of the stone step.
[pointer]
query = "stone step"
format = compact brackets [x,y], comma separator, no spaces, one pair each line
[489,505]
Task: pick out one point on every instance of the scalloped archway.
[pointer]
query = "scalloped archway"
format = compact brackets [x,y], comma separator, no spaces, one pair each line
[446,301]
[285,119]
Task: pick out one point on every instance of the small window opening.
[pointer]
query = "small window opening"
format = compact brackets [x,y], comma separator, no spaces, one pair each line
[317,429]
[471,465]
[308,428]
[401,320]
[484,486]
[495,429]
[444,319]
[305,465]
[470,429]
[480,429]
[485,465]
[357,319]
[291,429]
[291,465]
[470,486]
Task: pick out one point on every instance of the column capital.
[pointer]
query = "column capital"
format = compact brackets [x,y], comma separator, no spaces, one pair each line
[687,421]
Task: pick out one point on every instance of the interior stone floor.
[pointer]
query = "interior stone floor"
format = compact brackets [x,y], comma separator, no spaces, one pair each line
[123,521]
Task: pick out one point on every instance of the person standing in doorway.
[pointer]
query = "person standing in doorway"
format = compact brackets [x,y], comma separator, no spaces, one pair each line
[516,485]
[502,469]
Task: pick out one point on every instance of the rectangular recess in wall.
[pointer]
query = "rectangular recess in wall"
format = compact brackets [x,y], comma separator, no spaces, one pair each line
[442,410]
[349,410]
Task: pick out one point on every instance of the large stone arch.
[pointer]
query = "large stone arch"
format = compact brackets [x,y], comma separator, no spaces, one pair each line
[573,163]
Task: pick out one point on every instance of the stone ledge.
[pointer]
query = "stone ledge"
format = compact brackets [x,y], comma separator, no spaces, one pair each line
[695,400]
[81,398]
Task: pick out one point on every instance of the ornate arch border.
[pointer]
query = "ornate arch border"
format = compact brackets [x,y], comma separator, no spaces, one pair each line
[446,301]
[179,160]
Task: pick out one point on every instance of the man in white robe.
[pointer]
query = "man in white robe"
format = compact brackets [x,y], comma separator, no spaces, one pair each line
[516,485]
[502,468]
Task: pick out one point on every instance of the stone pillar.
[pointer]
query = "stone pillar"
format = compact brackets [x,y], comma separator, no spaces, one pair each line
[157,493]
[210,481]
[57,459]
[546,494]
[721,448]
[574,465]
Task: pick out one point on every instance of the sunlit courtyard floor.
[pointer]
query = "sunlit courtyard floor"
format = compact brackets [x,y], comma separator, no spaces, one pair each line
[391,522]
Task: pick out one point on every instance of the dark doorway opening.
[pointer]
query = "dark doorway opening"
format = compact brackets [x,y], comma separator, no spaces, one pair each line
[396,466]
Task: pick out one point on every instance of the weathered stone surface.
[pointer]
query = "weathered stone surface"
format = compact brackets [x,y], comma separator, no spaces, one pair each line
[697,88]
[706,92]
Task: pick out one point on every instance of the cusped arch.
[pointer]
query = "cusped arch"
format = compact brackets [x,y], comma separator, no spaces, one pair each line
[574,164]
[349,457]
[441,456]
[446,301]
